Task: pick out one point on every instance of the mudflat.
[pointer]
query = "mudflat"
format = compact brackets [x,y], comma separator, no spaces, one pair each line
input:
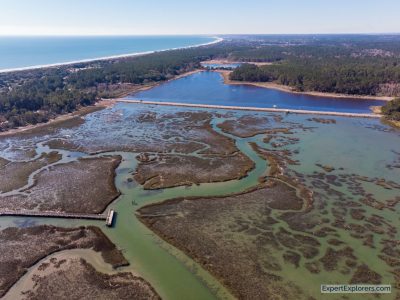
[76,279]
[175,170]
[64,188]
[163,141]
[233,237]
[15,175]
[21,248]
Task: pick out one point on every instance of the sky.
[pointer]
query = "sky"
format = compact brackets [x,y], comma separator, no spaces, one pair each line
[159,17]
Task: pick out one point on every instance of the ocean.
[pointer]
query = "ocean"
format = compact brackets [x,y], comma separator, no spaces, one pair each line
[26,52]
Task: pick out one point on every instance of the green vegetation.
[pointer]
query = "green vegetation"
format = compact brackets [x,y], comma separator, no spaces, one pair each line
[349,64]
[270,48]
[36,101]
[149,68]
[392,110]
[249,72]
[360,76]
[36,96]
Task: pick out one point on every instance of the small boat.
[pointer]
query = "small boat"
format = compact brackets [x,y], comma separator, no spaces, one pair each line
[274,106]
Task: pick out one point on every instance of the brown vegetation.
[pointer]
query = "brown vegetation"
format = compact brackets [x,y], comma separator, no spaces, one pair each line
[77,279]
[21,248]
[15,175]
[64,188]
[175,170]
[246,126]
[232,237]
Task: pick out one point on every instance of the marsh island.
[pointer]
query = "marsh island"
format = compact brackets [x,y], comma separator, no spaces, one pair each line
[210,203]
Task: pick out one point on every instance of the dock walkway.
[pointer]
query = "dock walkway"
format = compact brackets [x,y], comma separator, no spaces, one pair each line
[50,214]
[266,109]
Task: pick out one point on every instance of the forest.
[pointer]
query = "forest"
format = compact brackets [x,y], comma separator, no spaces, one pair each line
[392,110]
[357,76]
[35,96]
[36,101]
[348,64]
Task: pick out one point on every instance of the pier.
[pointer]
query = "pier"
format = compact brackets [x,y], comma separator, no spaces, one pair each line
[110,218]
[248,108]
[50,214]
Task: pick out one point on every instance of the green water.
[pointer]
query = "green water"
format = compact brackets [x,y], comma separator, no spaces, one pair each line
[172,273]
[351,144]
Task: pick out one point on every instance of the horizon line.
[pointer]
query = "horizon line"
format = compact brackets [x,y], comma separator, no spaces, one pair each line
[194,34]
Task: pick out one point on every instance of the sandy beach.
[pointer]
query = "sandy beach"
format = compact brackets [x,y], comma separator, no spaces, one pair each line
[283,88]
[105,58]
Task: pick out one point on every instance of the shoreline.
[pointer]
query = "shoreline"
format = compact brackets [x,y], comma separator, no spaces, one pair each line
[392,123]
[61,118]
[143,87]
[248,108]
[104,58]
[287,89]
[101,104]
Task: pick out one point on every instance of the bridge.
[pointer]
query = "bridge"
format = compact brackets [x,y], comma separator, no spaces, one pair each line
[279,110]
[51,214]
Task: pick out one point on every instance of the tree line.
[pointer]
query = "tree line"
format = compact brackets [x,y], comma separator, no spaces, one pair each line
[356,76]
[35,96]
[364,65]
[392,110]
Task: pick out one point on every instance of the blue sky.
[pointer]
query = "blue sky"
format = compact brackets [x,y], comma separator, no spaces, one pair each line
[93,17]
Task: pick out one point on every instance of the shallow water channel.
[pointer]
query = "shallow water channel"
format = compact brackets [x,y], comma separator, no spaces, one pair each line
[361,146]
[173,274]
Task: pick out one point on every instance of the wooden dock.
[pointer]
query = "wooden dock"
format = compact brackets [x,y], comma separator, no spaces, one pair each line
[50,214]
[266,109]
[110,218]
